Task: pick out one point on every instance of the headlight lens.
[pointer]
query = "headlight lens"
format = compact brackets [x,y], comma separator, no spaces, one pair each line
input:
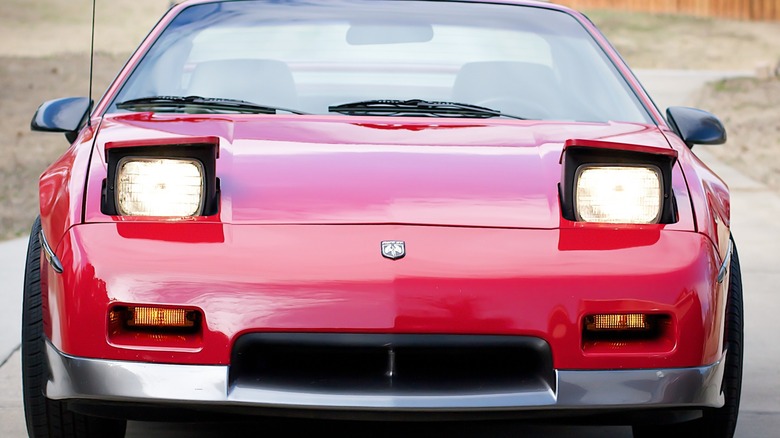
[618,194]
[159,187]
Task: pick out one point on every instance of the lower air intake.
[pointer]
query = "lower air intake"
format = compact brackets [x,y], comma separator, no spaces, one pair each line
[392,364]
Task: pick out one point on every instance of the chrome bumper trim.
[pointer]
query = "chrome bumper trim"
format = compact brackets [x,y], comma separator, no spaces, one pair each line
[726,260]
[165,384]
[52,258]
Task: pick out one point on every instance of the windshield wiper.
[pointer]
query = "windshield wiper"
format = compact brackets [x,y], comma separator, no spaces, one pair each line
[416,107]
[204,104]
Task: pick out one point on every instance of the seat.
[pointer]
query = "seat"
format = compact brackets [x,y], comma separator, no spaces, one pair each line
[262,81]
[523,89]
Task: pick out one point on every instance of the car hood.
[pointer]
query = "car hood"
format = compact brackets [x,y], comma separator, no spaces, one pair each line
[367,170]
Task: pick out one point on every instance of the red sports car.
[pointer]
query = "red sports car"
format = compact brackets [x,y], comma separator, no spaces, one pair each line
[381,210]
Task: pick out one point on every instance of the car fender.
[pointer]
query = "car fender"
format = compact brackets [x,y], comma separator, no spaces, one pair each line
[61,188]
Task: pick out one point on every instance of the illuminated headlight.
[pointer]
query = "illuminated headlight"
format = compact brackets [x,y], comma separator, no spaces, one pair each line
[618,194]
[159,187]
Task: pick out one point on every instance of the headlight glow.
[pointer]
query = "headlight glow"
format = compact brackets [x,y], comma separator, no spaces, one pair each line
[618,194]
[159,187]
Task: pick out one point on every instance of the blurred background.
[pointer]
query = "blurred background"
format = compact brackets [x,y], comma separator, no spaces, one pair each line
[732,9]
[44,54]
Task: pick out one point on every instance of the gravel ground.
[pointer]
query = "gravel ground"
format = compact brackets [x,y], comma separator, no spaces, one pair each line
[750,109]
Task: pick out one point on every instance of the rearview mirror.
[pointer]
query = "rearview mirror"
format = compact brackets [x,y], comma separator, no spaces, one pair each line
[388,33]
[695,126]
[66,115]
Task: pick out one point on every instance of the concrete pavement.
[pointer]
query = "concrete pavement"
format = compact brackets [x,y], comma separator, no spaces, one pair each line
[755,227]
[12,255]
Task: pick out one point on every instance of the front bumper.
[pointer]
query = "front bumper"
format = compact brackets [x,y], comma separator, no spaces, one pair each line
[333,279]
[209,386]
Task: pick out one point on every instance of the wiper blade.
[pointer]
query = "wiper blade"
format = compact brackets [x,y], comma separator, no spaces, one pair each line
[205,104]
[416,107]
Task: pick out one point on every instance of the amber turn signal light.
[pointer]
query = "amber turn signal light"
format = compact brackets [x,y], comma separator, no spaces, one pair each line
[160,317]
[151,317]
[618,321]
[620,331]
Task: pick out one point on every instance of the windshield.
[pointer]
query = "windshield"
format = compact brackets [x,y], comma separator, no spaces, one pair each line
[310,56]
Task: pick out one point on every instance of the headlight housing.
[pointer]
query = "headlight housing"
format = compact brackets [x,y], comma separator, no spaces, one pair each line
[617,183]
[161,179]
[618,194]
[159,187]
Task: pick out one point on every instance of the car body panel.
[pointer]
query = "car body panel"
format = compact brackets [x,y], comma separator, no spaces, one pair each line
[61,188]
[527,282]
[360,170]
[193,386]
[712,202]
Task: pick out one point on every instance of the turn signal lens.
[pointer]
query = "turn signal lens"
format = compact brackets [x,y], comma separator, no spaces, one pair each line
[618,194]
[159,187]
[610,333]
[160,317]
[148,317]
[627,321]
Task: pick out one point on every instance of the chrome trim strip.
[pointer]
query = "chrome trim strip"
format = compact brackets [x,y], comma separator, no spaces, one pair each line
[93,379]
[673,387]
[724,266]
[55,262]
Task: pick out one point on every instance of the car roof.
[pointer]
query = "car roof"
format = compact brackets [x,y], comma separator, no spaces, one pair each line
[538,3]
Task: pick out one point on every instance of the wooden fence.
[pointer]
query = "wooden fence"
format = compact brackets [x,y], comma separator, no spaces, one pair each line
[767,10]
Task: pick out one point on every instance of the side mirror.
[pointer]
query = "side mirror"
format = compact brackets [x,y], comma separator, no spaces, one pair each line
[66,115]
[695,126]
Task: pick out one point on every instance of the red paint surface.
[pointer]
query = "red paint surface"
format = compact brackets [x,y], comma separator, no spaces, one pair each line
[295,246]
[600,144]
[332,278]
[330,170]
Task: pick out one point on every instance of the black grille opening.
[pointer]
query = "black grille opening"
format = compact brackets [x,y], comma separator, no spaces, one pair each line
[481,368]
[315,367]
[402,364]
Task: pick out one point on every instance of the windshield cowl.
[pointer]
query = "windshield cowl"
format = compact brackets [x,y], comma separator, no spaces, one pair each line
[199,104]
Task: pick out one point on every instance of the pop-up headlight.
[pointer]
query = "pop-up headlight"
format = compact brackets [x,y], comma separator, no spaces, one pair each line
[617,183]
[159,187]
[161,179]
[618,194]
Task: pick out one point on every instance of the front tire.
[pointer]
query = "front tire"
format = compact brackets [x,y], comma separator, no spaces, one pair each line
[48,418]
[719,422]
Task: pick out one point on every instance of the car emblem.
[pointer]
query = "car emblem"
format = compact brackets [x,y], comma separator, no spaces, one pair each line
[393,249]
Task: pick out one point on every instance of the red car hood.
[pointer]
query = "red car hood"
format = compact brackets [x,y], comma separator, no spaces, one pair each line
[361,170]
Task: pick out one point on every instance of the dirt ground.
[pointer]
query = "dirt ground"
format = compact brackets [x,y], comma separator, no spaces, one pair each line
[750,110]
[44,54]
[44,48]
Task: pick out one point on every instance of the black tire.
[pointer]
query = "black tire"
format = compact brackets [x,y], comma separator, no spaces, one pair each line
[48,418]
[720,422]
